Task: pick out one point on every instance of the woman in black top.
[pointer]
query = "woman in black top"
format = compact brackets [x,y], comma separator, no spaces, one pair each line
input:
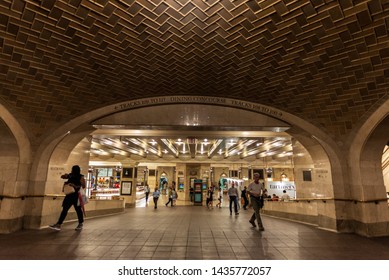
[77,179]
[245,199]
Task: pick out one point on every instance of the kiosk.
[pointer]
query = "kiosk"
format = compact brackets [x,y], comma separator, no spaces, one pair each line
[198,192]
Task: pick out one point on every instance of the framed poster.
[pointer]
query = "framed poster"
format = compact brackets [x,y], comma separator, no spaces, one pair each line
[181,183]
[126,188]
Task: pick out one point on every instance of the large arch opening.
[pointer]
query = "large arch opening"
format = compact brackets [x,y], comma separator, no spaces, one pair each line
[372,209]
[15,160]
[11,205]
[81,130]
[366,174]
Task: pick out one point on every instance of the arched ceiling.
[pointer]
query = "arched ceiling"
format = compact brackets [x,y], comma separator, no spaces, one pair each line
[325,61]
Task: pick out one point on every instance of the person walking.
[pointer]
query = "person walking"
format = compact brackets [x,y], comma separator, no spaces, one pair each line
[156,195]
[174,194]
[191,193]
[219,198]
[256,191]
[76,179]
[170,195]
[244,197]
[147,192]
[233,194]
[209,200]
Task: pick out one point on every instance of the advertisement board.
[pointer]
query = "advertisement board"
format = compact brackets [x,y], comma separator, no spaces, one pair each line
[277,188]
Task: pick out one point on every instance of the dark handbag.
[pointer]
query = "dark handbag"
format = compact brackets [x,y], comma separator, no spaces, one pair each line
[68,188]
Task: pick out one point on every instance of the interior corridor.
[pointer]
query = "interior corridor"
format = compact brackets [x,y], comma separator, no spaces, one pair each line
[191,232]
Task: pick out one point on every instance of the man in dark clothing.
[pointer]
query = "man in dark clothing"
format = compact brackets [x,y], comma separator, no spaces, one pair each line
[233,194]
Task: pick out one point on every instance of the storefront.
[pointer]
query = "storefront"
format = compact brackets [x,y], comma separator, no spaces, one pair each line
[104,182]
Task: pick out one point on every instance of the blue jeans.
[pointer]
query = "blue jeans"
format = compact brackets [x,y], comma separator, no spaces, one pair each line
[233,199]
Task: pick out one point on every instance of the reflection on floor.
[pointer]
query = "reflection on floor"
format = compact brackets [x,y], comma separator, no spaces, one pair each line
[190,232]
[141,200]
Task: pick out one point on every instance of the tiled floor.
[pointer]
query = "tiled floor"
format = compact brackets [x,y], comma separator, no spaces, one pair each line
[189,232]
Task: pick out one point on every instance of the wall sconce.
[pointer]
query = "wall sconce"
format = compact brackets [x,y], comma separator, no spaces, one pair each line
[284,177]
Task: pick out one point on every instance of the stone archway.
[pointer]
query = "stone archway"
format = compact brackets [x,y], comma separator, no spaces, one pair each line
[370,209]
[309,135]
[15,161]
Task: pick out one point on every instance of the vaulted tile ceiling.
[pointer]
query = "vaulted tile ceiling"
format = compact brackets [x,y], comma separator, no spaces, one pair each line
[326,61]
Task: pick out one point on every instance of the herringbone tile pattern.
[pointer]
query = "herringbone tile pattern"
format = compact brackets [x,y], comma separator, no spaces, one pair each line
[326,61]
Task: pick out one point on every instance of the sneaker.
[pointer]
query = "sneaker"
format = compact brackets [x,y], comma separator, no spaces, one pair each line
[236,213]
[55,227]
[253,223]
[261,228]
[79,227]
[230,213]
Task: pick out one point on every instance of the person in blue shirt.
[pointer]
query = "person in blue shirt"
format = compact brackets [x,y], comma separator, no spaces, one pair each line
[156,195]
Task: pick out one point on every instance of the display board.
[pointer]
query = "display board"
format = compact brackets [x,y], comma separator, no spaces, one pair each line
[181,181]
[126,188]
[277,188]
[198,192]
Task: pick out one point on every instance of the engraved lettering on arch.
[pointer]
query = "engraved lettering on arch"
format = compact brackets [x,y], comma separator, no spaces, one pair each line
[199,99]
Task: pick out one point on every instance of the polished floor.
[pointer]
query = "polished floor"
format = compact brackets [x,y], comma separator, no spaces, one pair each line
[189,232]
